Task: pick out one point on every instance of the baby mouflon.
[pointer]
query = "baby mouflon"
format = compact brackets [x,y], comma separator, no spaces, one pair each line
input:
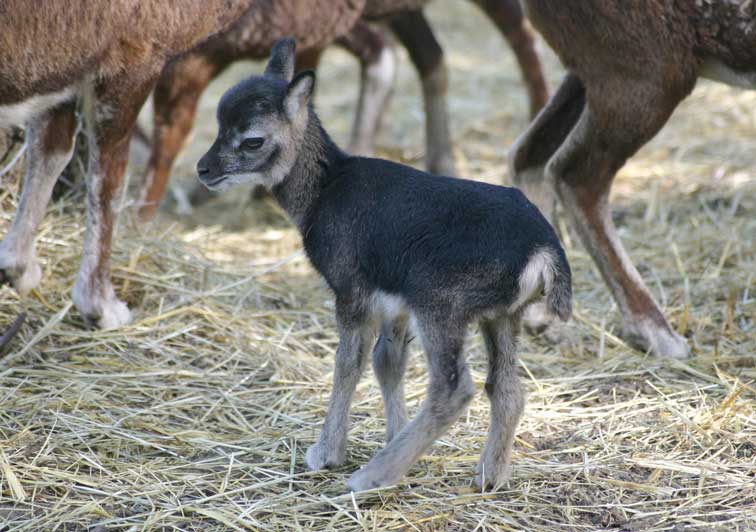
[400,248]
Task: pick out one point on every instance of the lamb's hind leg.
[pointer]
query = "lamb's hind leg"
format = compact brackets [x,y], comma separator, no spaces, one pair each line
[619,117]
[389,364]
[355,336]
[449,392]
[506,396]
[51,141]
[111,111]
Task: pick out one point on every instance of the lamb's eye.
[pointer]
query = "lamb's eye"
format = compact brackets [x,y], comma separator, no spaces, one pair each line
[252,143]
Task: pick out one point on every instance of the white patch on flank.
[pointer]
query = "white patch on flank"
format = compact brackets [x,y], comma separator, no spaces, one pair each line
[18,114]
[537,275]
[716,70]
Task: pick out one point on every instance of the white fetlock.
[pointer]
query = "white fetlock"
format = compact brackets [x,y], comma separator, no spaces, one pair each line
[22,272]
[114,314]
[101,307]
[659,341]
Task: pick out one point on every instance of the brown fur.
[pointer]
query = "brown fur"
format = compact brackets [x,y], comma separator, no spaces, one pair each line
[630,63]
[47,45]
[111,52]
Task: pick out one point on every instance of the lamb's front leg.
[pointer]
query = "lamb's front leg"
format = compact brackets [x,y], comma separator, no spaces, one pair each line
[50,138]
[112,112]
[355,336]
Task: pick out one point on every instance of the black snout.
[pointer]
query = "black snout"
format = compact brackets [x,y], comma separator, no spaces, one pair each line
[207,170]
[202,169]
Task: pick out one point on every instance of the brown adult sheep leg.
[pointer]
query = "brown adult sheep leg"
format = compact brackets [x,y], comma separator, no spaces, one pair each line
[414,32]
[528,158]
[175,104]
[533,149]
[619,116]
[50,138]
[111,110]
[377,74]
[509,18]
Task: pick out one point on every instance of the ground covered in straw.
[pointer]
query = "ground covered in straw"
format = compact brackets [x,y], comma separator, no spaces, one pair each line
[197,416]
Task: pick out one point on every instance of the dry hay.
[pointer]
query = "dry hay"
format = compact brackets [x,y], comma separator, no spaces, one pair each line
[197,416]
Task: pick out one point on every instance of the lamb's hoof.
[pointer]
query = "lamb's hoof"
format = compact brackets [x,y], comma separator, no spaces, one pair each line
[318,458]
[23,277]
[367,479]
[659,341]
[536,319]
[491,477]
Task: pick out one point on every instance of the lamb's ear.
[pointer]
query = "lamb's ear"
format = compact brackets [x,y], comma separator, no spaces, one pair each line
[299,93]
[282,59]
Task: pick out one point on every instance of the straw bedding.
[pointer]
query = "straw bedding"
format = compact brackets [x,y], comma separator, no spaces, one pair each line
[197,416]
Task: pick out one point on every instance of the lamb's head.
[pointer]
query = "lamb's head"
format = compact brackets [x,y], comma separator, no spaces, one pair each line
[261,125]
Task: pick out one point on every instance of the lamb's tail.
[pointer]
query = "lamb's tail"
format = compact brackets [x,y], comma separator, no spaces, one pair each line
[548,270]
[559,294]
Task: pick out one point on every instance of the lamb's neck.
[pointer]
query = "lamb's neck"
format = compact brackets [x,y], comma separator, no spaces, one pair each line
[315,164]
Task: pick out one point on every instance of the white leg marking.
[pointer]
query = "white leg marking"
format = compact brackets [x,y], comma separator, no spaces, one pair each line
[93,293]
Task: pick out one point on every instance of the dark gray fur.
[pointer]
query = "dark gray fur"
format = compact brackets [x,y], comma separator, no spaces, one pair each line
[398,247]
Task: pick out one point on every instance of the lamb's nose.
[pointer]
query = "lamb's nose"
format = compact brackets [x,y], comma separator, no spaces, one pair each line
[202,169]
